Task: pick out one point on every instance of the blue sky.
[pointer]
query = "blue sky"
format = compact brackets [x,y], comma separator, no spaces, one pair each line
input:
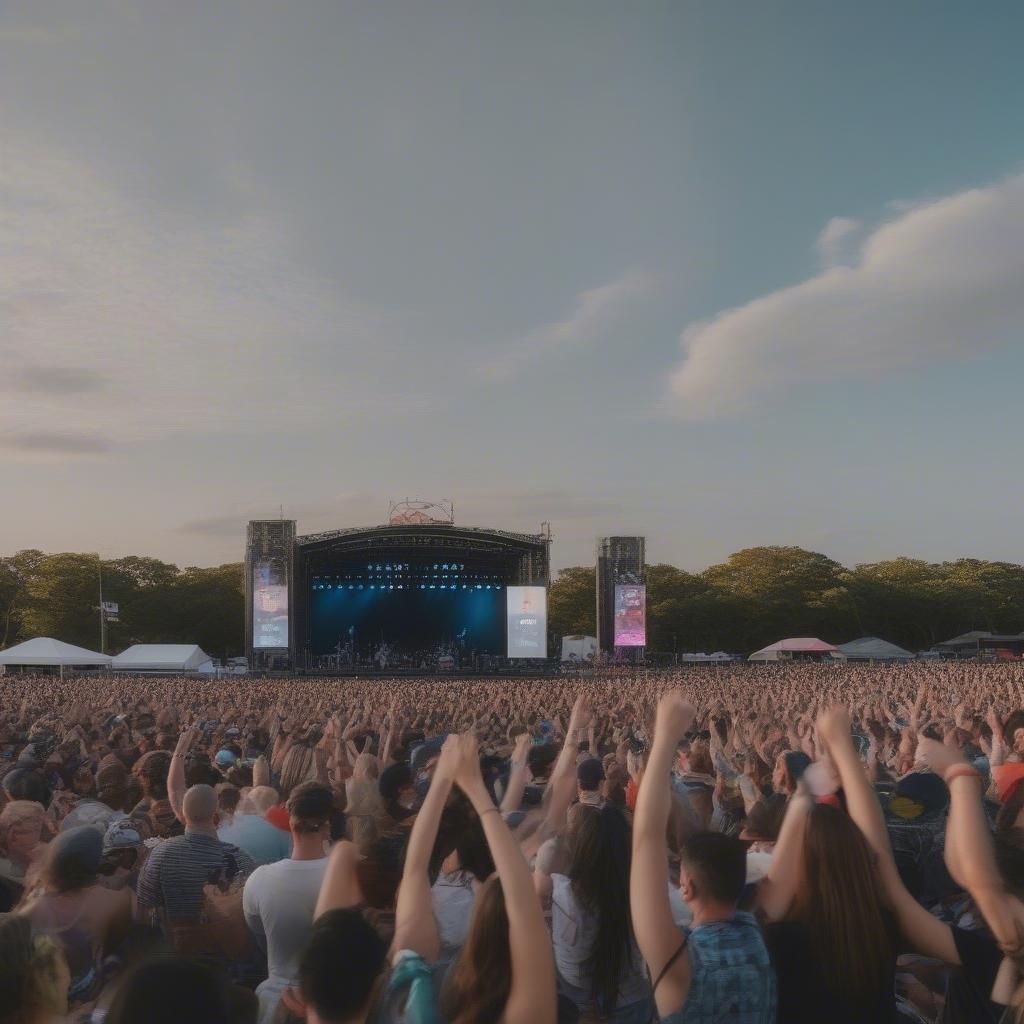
[722,273]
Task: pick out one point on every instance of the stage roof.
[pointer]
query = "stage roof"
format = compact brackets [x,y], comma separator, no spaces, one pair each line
[404,530]
[44,650]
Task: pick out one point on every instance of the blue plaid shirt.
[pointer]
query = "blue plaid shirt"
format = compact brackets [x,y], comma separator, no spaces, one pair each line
[732,980]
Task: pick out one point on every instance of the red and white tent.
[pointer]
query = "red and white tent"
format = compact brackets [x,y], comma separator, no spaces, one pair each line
[798,647]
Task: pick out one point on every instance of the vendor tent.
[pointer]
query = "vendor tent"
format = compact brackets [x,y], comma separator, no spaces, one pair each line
[163,658]
[44,651]
[800,648]
[872,648]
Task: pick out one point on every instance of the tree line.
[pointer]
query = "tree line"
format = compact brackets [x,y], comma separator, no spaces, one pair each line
[755,597]
[763,594]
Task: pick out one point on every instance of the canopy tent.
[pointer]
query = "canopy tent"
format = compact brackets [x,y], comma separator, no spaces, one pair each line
[873,648]
[700,656]
[797,648]
[45,651]
[163,658]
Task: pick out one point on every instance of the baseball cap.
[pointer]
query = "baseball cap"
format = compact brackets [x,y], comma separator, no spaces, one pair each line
[425,751]
[225,758]
[122,834]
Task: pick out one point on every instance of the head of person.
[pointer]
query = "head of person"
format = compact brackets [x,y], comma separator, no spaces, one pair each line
[72,860]
[200,809]
[21,829]
[228,799]
[839,899]
[789,767]
[259,800]
[599,870]
[169,989]
[112,783]
[764,821]
[340,971]
[478,985]
[397,787]
[589,776]
[151,770]
[34,975]
[712,871]
[309,813]
[123,853]
[27,784]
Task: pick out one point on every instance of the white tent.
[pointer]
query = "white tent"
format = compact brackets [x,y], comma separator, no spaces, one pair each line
[45,651]
[798,648]
[872,648]
[163,658]
[579,648]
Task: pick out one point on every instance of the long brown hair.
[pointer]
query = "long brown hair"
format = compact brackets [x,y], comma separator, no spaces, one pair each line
[479,984]
[840,901]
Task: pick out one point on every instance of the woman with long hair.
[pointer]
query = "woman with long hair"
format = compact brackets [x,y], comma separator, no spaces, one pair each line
[33,975]
[596,957]
[505,973]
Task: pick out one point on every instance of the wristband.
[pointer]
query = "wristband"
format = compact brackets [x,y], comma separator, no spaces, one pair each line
[960,771]
[488,810]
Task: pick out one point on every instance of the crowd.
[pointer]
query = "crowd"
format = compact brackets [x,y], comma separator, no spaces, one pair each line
[741,844]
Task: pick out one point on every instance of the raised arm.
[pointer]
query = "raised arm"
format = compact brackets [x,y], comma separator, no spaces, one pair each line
[415,925]
[925,932]
[517,777]
[340,887]
[176,784]
[656,932]
[532,997]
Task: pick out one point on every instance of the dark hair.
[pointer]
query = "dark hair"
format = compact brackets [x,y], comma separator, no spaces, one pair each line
[717,862]
[153,774]
[27,784]
[478,985]
[228,798]
[600,880]
[341,963]
[764,820]
[169,989]
[310,806]
[840,903]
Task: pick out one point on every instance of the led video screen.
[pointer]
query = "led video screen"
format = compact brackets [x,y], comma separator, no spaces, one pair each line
[630,616]
[527,613]
[270,605]
[406,619]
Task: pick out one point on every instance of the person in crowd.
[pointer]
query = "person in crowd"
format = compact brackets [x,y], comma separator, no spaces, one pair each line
[34,975]
[250,831]
[21,838]
[279,898]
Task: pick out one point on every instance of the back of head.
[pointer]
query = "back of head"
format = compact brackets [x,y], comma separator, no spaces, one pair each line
[340,967]
[72,859]
[228,798]
[298,767]
[33,973]
[717,863]
[478,985]
[200,807]
[27,784]
[168,990]
[259,800]
[840,901]
[309,807]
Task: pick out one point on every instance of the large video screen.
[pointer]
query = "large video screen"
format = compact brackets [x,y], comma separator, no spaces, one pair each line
[527,613]
[409,621]
[630,616]
[270,605]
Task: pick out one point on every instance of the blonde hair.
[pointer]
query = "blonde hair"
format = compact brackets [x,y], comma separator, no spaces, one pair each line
[21,812]
[298,767]
[33,972]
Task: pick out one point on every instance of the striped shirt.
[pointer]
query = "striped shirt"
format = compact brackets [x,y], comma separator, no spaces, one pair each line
[173,876]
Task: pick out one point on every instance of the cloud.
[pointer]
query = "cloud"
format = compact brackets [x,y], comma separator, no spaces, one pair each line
[832,242]
[54,443]
[938,282]
[595,311]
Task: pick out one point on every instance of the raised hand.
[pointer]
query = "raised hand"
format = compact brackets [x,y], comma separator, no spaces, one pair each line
[675,716]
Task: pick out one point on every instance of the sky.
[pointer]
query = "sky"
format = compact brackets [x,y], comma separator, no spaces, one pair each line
[721,273]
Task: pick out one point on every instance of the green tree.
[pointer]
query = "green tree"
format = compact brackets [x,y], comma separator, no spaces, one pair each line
[572,603]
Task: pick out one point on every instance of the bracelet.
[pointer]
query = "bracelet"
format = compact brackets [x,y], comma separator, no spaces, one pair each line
[488,811]
[960,771]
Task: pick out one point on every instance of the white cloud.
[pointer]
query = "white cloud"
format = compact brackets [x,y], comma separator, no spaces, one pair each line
[594,312]
[940,281]
[834,238]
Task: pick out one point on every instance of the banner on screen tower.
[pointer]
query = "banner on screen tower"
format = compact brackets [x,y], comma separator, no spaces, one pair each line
[630,616]
[269,605]
[527,614]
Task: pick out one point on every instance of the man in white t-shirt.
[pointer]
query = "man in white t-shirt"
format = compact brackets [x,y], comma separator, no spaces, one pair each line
[279,898]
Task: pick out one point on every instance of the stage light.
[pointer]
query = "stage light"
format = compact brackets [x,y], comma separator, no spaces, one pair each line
[488,586]
[350,586]
[479,586]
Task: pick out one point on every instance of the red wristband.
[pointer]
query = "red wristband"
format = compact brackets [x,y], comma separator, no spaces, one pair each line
[960,771]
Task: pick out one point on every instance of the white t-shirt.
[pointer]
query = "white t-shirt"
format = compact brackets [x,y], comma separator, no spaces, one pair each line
[279,900]
[453,896]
